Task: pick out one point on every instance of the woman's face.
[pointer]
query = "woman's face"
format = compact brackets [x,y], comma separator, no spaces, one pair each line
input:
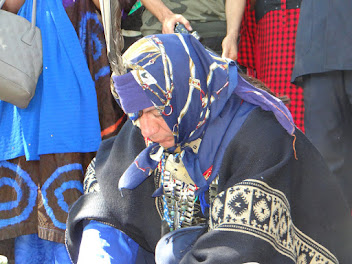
[154,127]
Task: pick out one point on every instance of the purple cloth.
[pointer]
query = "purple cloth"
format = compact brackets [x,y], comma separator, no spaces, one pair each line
[132,97]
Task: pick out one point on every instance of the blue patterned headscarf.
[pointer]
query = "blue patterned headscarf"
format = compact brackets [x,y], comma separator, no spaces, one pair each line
[202,96]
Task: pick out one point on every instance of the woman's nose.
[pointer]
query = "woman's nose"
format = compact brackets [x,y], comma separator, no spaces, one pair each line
[148,131]
[148,127]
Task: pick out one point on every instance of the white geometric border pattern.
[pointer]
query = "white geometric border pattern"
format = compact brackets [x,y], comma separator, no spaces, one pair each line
[254,208]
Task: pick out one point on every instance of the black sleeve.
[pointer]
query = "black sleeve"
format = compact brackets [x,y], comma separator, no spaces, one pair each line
[277,202]
[108,205]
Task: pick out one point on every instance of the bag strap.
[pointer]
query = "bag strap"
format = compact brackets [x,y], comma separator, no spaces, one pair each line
[29,35]
[34,13]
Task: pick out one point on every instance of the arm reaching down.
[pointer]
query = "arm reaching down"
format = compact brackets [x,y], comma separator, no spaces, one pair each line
[234,12]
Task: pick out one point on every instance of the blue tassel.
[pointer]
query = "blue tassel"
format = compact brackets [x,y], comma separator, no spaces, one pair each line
[203,202]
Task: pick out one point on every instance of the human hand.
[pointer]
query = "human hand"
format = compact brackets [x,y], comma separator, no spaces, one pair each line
[229,47]
[169,23]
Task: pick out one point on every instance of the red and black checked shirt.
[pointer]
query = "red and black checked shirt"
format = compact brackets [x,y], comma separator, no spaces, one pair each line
[267,50]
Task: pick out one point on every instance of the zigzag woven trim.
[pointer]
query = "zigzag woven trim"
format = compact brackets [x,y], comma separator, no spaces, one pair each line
[253,207]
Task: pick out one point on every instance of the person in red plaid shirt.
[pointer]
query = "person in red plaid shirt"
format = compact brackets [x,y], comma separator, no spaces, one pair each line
[267,48]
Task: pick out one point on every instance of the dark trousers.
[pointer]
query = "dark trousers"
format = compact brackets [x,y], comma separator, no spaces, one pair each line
[328,122]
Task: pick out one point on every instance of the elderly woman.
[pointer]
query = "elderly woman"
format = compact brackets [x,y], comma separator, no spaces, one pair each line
[210,170]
